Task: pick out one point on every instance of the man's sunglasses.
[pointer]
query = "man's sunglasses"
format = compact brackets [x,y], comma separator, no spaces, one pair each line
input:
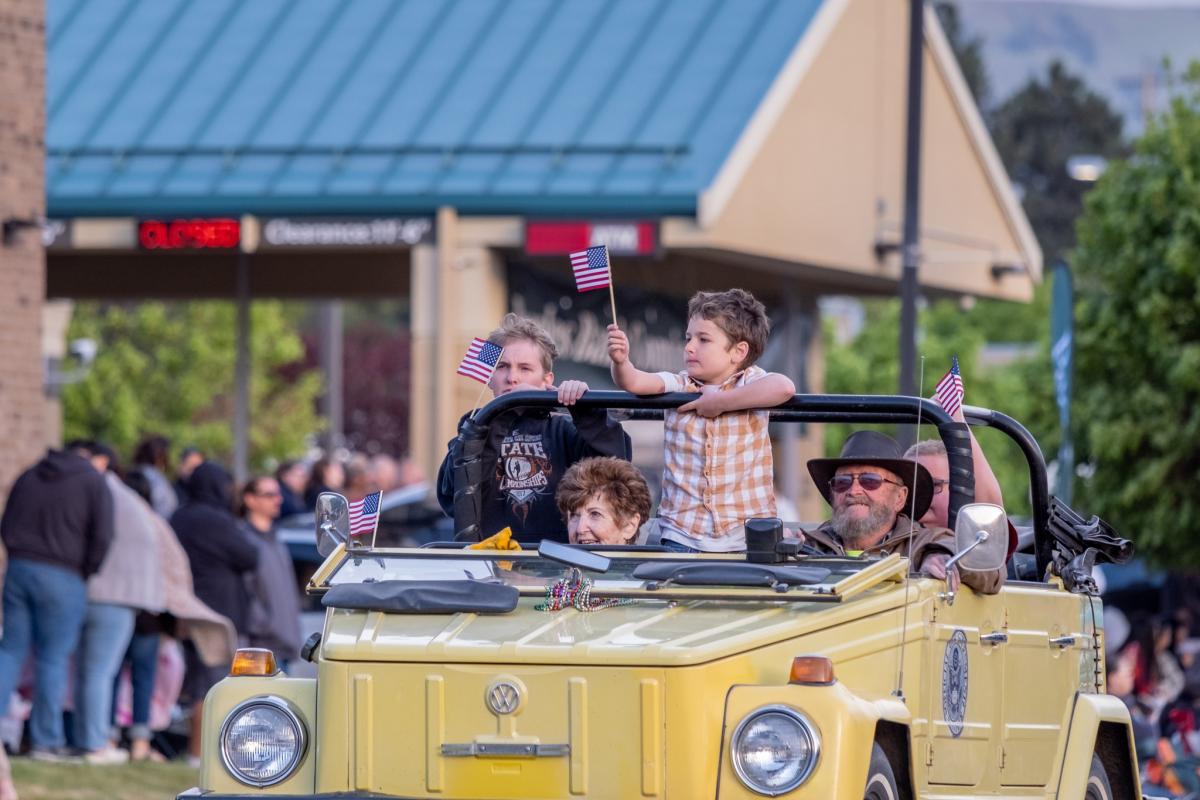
[870,481]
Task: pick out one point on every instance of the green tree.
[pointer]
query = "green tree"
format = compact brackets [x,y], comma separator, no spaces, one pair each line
[1022,389]
[1138,336]
[968,51]
[1036,131]
[169,369]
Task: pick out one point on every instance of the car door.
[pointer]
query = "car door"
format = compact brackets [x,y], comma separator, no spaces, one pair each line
[1047,641]
[964,673]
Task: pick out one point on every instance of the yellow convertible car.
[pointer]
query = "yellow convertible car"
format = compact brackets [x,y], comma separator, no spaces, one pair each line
[445,672]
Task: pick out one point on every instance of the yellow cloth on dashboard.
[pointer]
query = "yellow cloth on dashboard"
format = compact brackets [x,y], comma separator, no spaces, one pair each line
[497,541]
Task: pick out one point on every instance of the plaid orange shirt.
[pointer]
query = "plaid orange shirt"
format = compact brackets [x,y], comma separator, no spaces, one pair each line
[718,472]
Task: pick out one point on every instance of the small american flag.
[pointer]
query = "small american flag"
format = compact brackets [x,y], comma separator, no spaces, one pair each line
[949,391]
[364,514]
[591,268]
[480,360]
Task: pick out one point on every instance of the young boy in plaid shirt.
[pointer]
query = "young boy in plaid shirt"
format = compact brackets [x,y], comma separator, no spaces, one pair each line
[718,471]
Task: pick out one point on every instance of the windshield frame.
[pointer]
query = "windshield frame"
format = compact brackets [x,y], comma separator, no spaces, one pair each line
[867,573]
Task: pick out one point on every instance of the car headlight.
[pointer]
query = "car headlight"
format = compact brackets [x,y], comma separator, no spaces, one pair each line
[262,741]
[774,750]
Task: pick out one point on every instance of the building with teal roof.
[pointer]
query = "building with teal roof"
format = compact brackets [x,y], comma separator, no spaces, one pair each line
[450,153]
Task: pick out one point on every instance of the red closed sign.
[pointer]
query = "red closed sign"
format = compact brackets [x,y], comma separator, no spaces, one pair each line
[189,234]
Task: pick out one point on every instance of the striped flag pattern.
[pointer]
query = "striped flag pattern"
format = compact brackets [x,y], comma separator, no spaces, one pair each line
[949,391]
[591,268]
[364,514]
[480,360]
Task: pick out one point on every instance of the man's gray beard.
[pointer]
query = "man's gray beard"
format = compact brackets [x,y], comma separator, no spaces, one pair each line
[857,532]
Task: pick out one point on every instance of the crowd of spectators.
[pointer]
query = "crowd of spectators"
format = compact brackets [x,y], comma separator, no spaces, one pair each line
[126,591]
[1154,667]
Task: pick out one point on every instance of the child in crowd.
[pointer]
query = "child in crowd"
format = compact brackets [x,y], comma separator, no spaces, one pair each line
[718,471]
[528,451]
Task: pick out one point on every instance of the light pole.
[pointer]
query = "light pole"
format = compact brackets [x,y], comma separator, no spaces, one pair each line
[910,249]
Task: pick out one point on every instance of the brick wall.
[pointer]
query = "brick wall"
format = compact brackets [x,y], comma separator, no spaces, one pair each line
[22,260]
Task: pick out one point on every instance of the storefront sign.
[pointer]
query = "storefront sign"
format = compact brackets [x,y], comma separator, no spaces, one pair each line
[549,238]
[189,234]
[578,323]
[347,232]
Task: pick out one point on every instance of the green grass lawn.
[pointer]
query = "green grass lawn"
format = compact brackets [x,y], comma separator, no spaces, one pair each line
[142,781]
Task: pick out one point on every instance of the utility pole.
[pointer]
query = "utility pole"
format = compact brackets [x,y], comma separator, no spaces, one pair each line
[330,316]
[910,250]
[241,373]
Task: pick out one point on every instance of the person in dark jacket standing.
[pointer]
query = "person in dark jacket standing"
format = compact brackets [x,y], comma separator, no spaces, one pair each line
[274,597]
[214,543]
[57,526]
[221,556]
[528,450]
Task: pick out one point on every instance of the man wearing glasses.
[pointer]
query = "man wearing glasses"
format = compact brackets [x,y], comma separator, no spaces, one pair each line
[932,455]
[873,489]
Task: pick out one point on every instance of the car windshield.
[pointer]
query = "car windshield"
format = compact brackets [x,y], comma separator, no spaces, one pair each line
[630,572]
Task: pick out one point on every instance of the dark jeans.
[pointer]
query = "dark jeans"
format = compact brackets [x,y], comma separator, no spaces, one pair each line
[143,664]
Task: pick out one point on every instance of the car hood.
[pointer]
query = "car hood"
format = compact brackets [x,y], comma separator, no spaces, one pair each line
[662,632]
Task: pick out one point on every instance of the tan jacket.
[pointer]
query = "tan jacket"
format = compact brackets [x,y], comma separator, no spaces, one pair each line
[213,634]
[917,543]
[131,574]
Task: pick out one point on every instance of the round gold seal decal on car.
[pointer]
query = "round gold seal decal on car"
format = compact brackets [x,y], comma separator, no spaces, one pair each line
[504,696]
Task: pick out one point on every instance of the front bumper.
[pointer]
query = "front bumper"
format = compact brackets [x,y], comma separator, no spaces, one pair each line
[195,794]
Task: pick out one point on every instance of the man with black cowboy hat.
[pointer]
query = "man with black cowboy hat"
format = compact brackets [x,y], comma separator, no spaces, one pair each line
[869,487]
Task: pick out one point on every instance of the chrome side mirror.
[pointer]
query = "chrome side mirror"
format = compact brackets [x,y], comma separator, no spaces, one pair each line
[980,541]
[333,522]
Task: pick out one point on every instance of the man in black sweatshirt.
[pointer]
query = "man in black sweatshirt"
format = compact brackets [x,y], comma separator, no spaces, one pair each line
[220,556]
[57,526]
[528,451]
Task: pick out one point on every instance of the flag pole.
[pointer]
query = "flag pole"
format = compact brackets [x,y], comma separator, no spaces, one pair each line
[378,513]
[612,296]
[475,405]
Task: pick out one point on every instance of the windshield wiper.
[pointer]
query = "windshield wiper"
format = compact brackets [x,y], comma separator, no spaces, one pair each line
[729,573]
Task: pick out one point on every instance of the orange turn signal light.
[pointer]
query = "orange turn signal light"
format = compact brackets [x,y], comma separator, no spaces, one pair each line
[253,661]
[811,671]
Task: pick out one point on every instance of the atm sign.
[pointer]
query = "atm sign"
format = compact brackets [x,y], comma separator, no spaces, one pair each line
[189,234]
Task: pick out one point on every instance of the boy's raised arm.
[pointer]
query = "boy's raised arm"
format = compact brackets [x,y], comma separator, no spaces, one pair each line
[628,377]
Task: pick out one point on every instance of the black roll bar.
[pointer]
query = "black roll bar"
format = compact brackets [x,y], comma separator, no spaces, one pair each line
[1039,482]
[866,409]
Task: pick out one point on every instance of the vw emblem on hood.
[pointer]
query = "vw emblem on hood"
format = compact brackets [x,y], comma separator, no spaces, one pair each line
[504,697]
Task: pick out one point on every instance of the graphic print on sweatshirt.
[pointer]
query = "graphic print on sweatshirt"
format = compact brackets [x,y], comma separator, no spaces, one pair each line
[524,471]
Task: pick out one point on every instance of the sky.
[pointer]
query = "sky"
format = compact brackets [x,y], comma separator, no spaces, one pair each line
[1116,46]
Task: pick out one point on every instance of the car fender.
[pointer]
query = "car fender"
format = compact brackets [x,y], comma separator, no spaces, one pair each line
[845,724]
[300,694]
[1099,723]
